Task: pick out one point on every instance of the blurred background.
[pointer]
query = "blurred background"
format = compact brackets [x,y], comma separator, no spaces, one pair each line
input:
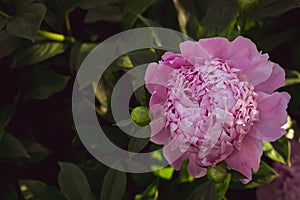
[42,44]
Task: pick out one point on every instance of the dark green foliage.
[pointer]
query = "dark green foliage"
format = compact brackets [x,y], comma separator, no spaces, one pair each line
[44,42]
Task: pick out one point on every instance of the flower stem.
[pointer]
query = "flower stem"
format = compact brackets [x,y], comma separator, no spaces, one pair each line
[49,35]
[55,36]
[5,15]
[68,23]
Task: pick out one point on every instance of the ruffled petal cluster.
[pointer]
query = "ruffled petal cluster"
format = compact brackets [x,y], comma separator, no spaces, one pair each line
[215,102]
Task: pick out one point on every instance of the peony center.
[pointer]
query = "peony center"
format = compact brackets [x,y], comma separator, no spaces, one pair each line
[209,110]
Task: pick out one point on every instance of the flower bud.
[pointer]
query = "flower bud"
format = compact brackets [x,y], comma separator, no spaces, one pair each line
[247,6]
[217,174]
[140,115]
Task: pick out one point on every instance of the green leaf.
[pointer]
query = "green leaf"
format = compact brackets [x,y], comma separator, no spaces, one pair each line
[89,4]
[73,183]
[115,135]
[247,6]
[137,144]
[150,193]
[57,10]
[8,43]
[293,77]
[37,190]
[165,173]
[194,27]
[264,175]
[184,175]
[37,52]
[270,152]
[141,96]
[206,191]
[132,9]
[27,21]
[223,187]
[268,44]
[157,155]
[11,147]
[283,147]
[8,192]
[137,58]
[110,13]
[79,53]
[272,8]
[103,92]
[148,22]
[19,4]
[124,123]
[3,22]
[231,31]
[36,151]
[236,176]
[94,171]
[143,179]
[7,111]
[114,185]
[142,56]
[44,83]
[218,16]
[65,5]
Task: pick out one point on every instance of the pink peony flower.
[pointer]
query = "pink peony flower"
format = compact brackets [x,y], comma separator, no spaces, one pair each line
[286,185]
[214,102]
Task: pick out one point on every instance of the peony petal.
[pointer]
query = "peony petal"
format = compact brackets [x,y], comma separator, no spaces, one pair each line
[247,158]
[217,47]
[159,95]
[177,164]
[275,81]
[195,169]
[174,60]
[241,54]
[157,74]
[169,56]
[258,73]
[254,65]
[173,154]
[256,69]
[160,137]
[211,138]
[272,116]
[159,133]
[191,49]
[244,43]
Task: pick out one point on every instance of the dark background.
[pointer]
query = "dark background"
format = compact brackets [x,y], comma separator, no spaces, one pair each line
[37,73]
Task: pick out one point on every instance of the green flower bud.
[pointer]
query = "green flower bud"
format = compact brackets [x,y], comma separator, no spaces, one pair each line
[217,174]
[140,115]
[247,6]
